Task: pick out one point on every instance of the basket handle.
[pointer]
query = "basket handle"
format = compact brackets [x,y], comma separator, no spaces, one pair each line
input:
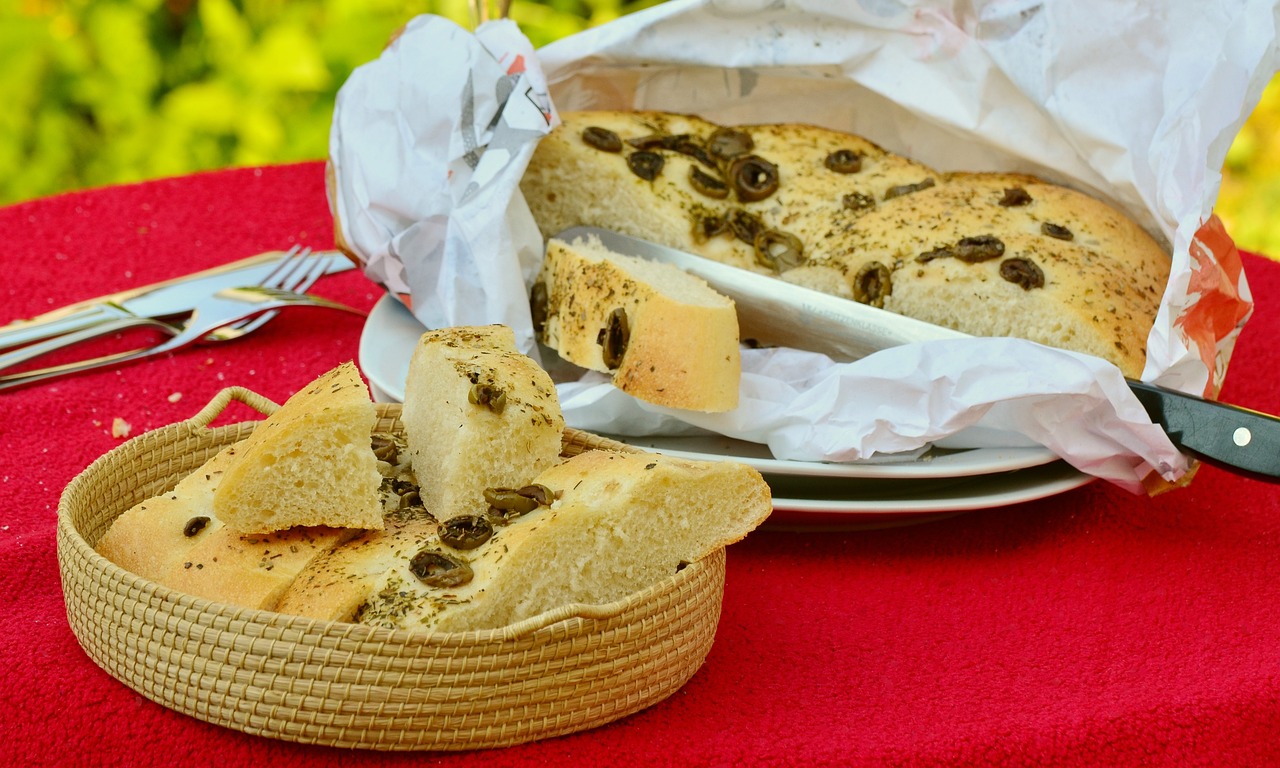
[221,400]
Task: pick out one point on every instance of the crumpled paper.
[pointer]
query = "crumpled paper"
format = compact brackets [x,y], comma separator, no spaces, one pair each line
[1135,103]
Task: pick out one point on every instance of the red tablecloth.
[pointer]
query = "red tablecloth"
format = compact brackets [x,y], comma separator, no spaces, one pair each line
[1092,627]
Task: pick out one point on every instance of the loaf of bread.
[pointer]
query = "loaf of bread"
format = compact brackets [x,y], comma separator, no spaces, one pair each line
[477,414]
[664,335]
[616,524]
[287,469]
[986,254]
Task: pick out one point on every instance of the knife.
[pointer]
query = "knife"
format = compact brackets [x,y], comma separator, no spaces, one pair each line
[775,312]
[163,299]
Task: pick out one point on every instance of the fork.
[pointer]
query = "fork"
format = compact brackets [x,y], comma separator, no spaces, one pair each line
[224,312]
[284,275]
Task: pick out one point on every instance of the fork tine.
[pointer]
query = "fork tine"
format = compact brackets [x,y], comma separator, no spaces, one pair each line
[315,271]
[279,277]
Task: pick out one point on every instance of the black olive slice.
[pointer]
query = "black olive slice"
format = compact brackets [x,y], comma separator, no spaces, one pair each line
[972,250]
[728,143]
[614,337]
[753,177]
[1022,272]
[906,189]
[436,569]
[465,531]
[707,184]
[687,146]
[660,141]
[1015,197]
[645,164]
[872,284]
[844,161]
[602,139]
[195,525]
[1056,231]
[778,250]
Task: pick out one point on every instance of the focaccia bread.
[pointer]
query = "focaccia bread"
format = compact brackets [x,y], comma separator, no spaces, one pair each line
[477,414]
[616,523]
[986,254]
[664,335]
[288,468]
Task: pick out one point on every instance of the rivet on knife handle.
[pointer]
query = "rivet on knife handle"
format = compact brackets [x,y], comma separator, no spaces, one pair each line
[1235,438]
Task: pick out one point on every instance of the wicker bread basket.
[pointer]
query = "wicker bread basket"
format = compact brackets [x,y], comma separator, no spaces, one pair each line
[349,685]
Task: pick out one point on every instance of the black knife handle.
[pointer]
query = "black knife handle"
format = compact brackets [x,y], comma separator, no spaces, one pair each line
[1236,439]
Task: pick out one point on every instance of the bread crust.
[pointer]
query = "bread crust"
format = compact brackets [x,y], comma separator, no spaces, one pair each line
[863,232]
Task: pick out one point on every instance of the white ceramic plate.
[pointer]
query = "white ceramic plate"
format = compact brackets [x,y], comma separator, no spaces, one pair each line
[939,481]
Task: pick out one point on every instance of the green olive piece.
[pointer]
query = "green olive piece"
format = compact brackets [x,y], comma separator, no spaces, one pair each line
[488,396]
[539,493]
[872,284]
[602,139]
[1022,272]
[384,447]
[466,531]
[436,569]
[753,177]
[510,500]
[778,250]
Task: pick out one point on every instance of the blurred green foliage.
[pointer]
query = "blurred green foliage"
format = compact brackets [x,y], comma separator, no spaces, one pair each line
[107,91]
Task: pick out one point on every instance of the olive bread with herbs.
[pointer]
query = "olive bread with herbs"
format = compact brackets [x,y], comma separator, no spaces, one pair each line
[590,529]
[986,254]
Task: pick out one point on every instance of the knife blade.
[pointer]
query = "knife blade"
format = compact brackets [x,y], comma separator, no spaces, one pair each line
[163,299]
[775,312]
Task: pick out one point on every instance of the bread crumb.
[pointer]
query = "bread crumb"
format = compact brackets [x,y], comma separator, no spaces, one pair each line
[120,427]
[175,397]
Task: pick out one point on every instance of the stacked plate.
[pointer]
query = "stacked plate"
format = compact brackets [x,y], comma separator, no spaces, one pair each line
[923,487]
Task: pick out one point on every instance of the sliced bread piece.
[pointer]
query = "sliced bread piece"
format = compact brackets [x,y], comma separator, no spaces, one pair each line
[309,463]
[477,414]
[664,334]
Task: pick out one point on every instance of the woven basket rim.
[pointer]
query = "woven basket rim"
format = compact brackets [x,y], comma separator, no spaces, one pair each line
[200,421]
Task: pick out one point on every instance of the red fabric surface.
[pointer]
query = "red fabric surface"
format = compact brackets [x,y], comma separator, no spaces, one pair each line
[1090,628]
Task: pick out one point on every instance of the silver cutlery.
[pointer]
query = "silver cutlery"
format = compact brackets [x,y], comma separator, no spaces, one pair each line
[219,312]
[161,300]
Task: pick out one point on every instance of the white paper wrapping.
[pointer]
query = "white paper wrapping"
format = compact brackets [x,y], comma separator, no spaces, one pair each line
[1134,102]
